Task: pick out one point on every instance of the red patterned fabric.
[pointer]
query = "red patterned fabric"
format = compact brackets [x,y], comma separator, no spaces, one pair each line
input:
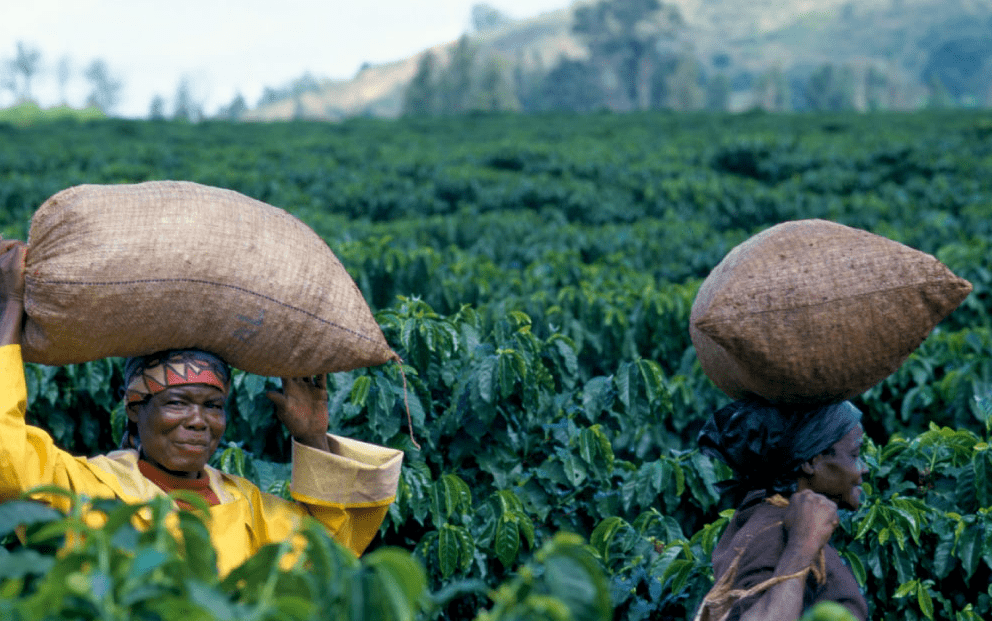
[168,483]
[176,369]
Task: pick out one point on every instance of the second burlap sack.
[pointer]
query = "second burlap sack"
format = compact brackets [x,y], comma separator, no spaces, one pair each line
[812,312]
[128,270]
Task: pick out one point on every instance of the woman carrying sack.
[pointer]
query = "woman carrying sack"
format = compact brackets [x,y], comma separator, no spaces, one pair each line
[175,404]
[794,466]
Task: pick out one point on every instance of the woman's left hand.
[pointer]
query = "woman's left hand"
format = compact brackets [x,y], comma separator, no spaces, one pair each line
[302,407]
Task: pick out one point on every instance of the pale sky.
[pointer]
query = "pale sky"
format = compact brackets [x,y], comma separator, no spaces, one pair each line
[226,46]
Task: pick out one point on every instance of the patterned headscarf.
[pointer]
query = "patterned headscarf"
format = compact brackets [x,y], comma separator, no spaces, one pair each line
[146,376]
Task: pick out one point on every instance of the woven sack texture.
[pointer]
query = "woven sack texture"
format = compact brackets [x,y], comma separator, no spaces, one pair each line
[812,311]
[127,270]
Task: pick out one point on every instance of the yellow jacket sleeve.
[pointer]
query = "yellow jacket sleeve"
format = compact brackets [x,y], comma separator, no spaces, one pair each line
[28,455]
[348,490]
[352,486]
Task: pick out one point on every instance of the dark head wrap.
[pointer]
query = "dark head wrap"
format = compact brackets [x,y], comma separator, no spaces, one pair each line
[145,376]
[765,445]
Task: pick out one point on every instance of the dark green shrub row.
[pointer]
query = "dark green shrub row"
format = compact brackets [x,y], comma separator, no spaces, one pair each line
[536,275]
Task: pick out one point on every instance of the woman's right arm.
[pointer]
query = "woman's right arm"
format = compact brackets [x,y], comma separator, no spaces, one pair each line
[15,443]
[809,521]
[28,455]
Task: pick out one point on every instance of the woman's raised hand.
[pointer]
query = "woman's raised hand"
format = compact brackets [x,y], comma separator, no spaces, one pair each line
[12,254]
[302,407]
[810,521]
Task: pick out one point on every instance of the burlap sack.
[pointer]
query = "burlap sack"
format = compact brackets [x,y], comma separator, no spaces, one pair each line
[812,311]
[132,269]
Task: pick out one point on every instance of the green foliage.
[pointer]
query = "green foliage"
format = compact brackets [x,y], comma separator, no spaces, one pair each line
[918,541]
[564,584]
[62,566]
[828,611]
[536,275]
[30,113]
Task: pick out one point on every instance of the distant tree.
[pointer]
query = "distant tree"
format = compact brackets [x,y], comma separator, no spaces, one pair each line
[299,110]
[105,91]
[487,17]
[844,89]
[718,93]
[269,96]
[185,106]
[661,81]
[959,64]
[938,96]
[457,78]
[421,97]
[572,85]
[527,80]
[985,94]
[623,38]
[903,90]
[772,91]
[8,82]
[26,65]
[299,87]
[235,110]
[830,88]
[686,92]
[63,72]
[306,83]
[877,89]
[495,93]
[156,111]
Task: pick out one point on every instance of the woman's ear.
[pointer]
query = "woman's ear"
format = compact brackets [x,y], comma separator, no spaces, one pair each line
[133,411]
[808,468]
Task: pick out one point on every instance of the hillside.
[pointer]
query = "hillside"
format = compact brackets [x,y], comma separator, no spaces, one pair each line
[911,43]
[377,90]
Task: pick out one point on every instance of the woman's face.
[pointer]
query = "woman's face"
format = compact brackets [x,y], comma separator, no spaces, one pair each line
[837,473]
[180,427]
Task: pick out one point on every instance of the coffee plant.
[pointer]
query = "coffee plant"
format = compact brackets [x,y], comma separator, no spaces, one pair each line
[536,275]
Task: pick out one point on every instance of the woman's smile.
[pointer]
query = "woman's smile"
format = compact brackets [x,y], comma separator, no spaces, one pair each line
[181,427]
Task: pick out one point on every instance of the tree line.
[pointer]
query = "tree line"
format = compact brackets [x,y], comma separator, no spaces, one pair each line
[18,75]
[638,60]
[636,57]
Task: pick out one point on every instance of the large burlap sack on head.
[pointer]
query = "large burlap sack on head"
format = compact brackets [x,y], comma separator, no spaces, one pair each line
[813,312]
[132,269]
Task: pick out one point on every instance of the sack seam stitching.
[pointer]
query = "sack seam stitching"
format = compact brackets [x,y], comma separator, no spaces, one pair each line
[216,284]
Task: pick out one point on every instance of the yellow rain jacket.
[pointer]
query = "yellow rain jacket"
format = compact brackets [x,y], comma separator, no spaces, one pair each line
[349,489]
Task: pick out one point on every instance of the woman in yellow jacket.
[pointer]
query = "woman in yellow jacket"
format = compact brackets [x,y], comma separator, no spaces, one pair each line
[175,404]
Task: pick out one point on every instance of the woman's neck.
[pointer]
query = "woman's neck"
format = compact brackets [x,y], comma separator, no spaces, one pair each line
[179,474]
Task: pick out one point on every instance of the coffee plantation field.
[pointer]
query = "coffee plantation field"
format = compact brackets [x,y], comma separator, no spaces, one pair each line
[536,275]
